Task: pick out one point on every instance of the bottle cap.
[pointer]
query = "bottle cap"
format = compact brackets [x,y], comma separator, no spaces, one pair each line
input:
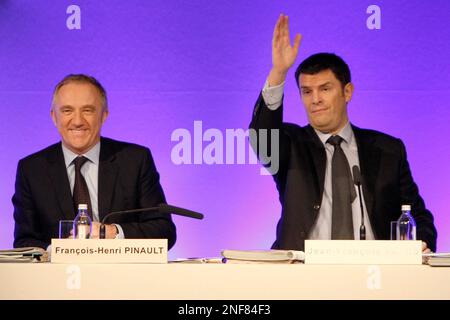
[406,207]
[82,206]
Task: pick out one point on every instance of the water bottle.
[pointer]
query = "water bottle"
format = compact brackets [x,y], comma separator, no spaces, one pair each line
[406,226]
[82,225]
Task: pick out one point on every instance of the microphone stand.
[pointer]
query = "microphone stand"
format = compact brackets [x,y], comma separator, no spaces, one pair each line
[161,208]
[357,181]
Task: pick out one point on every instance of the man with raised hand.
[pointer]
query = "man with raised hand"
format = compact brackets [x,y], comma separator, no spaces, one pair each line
[314,179]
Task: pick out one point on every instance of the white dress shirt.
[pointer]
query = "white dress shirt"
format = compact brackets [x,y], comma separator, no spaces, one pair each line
[273,97]
[90,173]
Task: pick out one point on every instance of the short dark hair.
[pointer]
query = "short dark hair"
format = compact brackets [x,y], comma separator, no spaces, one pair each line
[323,61]
[83,78]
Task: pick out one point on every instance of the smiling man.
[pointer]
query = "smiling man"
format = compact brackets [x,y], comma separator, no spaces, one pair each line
[78,111]
[314,180]
[112,175]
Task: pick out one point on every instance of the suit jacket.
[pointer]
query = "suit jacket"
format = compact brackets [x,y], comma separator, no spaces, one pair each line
[127,179]
[387,182]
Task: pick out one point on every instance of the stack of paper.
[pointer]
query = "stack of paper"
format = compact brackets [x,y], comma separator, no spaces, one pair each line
[197,260]
[263,256]
[437,259]
[27,254]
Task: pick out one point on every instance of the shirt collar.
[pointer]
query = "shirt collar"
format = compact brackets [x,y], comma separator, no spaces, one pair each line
[93,154]
[345,133]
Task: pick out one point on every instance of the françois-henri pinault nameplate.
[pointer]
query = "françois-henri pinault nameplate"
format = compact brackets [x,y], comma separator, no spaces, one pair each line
[109,251]
[363,252]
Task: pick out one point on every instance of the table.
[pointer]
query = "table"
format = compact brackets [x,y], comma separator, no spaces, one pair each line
[178,281]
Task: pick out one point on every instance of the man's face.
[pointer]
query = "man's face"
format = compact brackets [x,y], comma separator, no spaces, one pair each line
[78,114]
[325,100]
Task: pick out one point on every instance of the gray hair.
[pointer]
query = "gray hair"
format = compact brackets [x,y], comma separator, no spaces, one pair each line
[82,78]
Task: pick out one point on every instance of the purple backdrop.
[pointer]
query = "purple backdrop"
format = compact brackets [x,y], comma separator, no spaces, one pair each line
[168,63]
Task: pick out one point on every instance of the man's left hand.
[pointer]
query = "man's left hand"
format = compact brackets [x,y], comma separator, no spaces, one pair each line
[425,249]
[110,231]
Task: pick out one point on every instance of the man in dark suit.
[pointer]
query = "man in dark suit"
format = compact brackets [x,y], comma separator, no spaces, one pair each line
[315,159]
[118,175]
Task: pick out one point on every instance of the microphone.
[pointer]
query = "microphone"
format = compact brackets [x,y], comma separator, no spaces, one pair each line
[357,182]
[162,208]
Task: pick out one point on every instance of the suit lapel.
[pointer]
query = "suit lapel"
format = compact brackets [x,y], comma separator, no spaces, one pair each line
[107,174]
[319,158]
[369,162]
[60,181]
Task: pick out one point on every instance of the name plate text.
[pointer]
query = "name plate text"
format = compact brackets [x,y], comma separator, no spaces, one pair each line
[363,252]
[109,251]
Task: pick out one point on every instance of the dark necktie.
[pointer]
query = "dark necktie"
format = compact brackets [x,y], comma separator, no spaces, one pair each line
[343,193]
[80,188]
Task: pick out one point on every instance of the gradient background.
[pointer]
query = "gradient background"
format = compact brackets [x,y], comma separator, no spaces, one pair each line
[167,63]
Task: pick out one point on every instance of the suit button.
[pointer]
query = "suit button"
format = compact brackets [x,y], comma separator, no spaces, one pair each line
[316,207]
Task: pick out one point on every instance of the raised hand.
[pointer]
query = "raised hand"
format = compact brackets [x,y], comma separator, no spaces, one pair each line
[283,53]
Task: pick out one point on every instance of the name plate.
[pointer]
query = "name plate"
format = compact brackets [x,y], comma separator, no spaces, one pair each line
[109,251]
[363,252]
